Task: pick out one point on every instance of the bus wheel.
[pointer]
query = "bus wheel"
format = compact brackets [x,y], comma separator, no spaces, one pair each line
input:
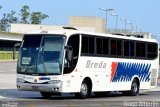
[134,89]
[84,91]
[46,94]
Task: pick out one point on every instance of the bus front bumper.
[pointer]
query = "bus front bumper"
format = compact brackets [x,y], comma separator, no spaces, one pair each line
[55,88]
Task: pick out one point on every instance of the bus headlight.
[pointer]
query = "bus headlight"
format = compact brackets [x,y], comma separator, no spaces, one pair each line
[20,80]
[55,82]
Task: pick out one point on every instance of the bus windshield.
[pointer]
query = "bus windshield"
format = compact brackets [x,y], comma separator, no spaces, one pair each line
[41,55]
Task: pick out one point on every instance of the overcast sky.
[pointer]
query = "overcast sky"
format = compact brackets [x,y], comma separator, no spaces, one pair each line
[143,13]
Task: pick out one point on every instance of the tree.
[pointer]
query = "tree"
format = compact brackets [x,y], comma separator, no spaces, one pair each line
[4,23]
[37,17]
[0,7]
[25,14]
[7,19]
[11,17]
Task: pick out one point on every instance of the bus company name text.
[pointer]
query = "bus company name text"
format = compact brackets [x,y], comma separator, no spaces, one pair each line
[91,64]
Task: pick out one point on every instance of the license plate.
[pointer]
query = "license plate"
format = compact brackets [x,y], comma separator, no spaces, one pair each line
[26,60]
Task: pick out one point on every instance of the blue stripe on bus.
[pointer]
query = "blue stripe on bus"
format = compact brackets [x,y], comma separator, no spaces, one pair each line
[125,71]
[44,78]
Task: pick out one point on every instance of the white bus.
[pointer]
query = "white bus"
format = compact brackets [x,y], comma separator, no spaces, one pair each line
[72,61]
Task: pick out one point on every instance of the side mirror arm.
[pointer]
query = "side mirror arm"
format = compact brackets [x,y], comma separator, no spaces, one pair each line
[69,55]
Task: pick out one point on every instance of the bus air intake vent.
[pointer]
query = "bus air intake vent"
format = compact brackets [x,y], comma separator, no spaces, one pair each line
[71,28]
[120,34]
[154,77]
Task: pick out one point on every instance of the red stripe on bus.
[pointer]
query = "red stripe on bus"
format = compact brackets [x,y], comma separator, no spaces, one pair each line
[113,70]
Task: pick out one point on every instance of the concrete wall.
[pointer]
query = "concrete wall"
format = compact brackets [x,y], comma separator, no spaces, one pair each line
[24,28]
[11,36]
[85,21]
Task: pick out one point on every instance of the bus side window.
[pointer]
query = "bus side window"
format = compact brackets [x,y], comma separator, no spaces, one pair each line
[129,48]
[88,45]
[113,47]
[152,50]
[73,41]
[99,45]
[105,46]
[116,47]
[102,46]
[140,49]
[85,44]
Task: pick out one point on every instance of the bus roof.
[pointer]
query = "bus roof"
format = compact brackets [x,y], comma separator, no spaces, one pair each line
[69,32]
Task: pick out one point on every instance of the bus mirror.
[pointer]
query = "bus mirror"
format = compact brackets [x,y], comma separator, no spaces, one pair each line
[69,53]
[14,49]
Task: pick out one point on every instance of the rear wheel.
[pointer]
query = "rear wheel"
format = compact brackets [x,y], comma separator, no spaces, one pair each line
[134,89]
[46,94]
[85,90]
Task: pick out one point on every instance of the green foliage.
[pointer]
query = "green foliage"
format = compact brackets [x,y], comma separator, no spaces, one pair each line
[4,23]
[6,19]
[24,14]
[0,7]
[37,17]
[11,18]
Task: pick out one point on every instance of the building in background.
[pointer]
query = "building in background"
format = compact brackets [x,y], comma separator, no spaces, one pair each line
[8,41]
[98,23]
[24,28]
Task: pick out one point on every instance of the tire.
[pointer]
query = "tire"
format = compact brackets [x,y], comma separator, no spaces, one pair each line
[134,89]
[85,91]
[46,94]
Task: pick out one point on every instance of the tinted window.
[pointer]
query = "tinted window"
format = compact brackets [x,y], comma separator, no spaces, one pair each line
[91,45]
[116,47]
[32,40]
[140,49]
[152,50]
[128,48]
[99,45]
[87,45]
[105,46]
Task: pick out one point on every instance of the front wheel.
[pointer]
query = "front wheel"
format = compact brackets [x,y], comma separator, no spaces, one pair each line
[84,91]
[46,94]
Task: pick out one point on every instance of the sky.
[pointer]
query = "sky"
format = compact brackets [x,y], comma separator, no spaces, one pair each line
[145,14]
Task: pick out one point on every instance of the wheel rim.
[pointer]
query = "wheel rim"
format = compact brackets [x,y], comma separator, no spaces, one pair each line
[134,87]
[84,89]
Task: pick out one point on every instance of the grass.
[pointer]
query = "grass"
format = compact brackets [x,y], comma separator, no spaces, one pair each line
[7,55]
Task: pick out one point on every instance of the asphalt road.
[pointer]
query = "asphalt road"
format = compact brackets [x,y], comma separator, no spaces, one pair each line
[11,97]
